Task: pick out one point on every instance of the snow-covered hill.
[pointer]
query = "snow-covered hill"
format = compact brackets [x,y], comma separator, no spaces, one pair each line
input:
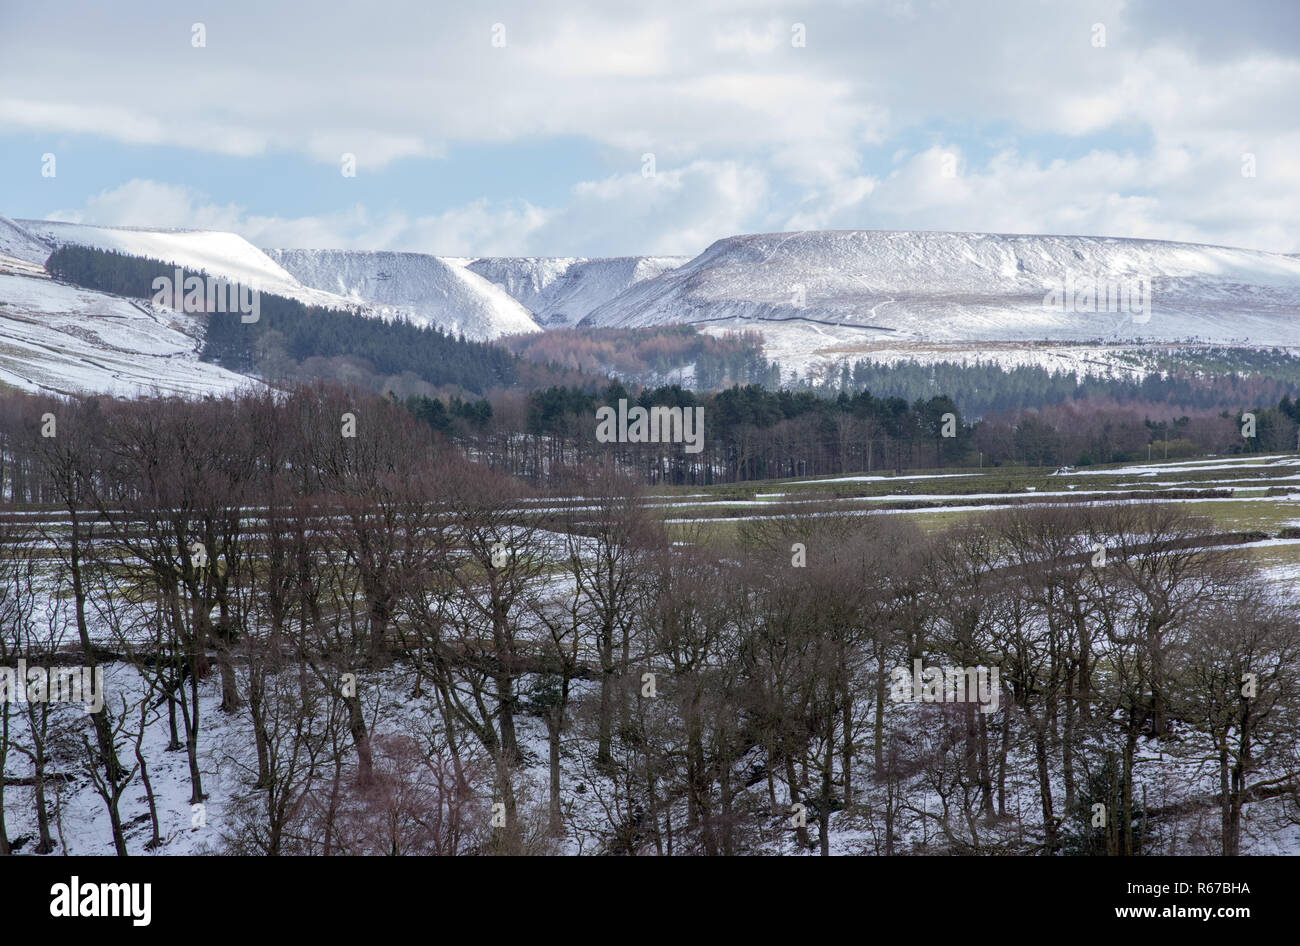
[17,243]
[832,293]
[220,254]
[56,337]
[562,290]
[819,298]
[425,289]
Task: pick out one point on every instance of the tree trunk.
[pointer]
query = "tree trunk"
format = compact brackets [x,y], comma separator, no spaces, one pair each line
[1045,787]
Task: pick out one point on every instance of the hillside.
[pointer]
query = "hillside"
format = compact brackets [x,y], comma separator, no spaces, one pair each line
[562,290]
[865,291]
[425,289]
[59,338]
[220,254]
[19,244]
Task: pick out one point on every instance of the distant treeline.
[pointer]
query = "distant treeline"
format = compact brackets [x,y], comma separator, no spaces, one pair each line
[655,355]
[751,433]
[1080,433]
[545,437]
[1193,378]
[1200,378]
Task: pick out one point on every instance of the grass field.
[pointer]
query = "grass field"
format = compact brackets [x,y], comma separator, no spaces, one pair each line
[1240,494]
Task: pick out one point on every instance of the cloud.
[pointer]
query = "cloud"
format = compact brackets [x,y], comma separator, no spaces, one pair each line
[145,203]
[750,131]
[676,211]
[1170,193]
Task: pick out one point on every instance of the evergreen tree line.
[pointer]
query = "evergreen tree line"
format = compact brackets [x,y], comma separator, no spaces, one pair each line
[288,328]
[749,432]
[387,348]
[752,433]
[655,355]
[1240,376]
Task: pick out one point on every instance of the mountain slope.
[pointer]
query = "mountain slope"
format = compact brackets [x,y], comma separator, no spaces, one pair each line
[18,243]
[59,338]
[227,255]
[426,289]
[563,290]
[904,287]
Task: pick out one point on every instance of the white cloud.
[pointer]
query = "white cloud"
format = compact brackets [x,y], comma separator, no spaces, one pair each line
[144,203]
[749,131]
[743,36]
[678,211]
[597,50]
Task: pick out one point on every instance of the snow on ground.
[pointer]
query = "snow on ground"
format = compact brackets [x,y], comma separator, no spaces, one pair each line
[934,286]
[816,351]
[948,504]
[58,338]
[822,297]
[20,244]
[227,761]
[422,288]
[874,479]
[562,290]
[1187,466]
[84,825]
[227,255]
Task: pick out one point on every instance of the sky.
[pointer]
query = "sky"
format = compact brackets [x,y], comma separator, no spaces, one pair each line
[616,128]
